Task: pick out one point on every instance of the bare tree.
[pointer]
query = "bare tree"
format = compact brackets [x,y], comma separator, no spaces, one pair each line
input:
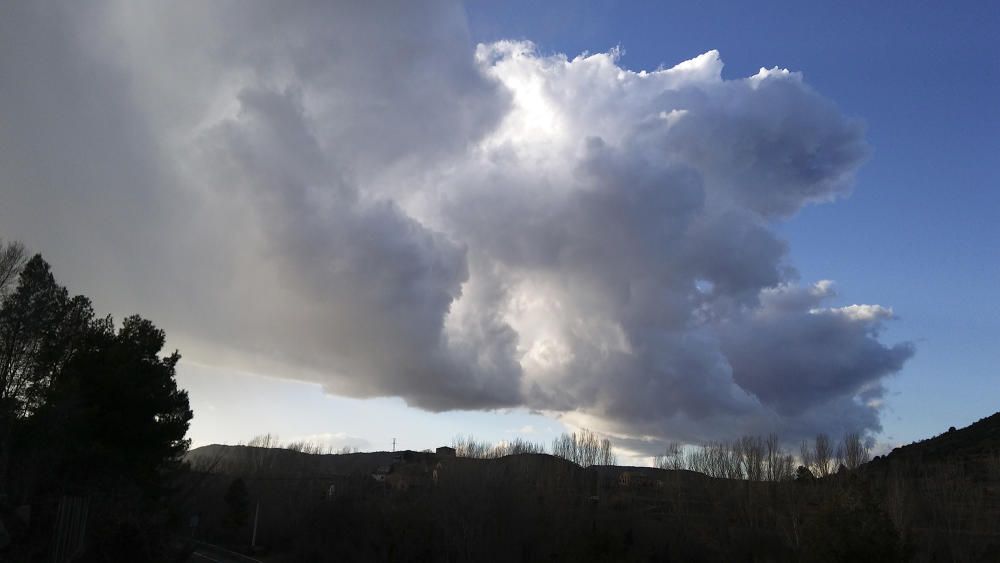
[694,460]
[261,454]
[731,457]
[779,464]
[517,446]
[307,447]
[806,455]
[751,455]
[734,455]
[823,455]
[786,468]
[469,446]
[671,458]
[713,460]
[717,459]
[264,441]
[605,454]
[585,449]
[753,458]
[13,255]
[855,450]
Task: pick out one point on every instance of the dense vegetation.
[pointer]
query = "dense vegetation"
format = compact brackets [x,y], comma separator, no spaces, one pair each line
[91,422]
[538,507]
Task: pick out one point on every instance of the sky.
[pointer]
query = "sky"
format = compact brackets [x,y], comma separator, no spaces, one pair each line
[659,221]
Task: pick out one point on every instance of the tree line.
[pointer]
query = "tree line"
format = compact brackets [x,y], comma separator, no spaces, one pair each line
[751,458]
[760,458]
[270,440]
[584,448]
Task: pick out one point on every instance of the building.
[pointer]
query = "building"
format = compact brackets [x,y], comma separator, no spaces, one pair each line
[446,451]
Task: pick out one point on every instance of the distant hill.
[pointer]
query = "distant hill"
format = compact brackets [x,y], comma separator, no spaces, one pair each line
[278,461]
[976,441]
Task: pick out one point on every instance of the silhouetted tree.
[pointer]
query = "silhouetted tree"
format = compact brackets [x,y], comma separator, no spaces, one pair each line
[469,446]
[12,258]
[237,502]
[854,452]
[751,454]
[40,329]
[584,449]
[822,455]
[87,409]
[38,326]
[672,457]
[774,459]
[119,406]
[804,474]
[806,454]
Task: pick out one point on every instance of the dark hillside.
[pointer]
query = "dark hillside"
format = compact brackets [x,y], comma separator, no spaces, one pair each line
[529,507]
[936,500]
[976,441]
[943,493]
[282,462]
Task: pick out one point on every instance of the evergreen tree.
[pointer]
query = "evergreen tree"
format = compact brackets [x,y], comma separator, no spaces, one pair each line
[87,410]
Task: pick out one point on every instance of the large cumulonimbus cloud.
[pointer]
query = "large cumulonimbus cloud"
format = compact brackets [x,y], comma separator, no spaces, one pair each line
[353,193]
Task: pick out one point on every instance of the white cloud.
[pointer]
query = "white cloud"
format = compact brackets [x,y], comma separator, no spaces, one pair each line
[863,312]
[353,193]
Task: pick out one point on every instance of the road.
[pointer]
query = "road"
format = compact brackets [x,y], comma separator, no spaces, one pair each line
[208,553]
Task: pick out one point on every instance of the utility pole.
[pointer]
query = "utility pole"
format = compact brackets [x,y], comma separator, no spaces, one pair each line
[394,445]
[256,515]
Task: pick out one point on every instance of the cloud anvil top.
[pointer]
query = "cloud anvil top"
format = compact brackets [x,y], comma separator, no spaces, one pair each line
[363,198]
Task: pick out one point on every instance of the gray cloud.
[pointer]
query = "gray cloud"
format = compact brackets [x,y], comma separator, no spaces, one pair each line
[352,193]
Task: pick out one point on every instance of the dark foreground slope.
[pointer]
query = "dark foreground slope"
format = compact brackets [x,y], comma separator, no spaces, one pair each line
[943,493]
[431,508]
[933,501]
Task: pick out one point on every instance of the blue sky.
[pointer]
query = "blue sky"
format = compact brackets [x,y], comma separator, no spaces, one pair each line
[921,232]
[338,200]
